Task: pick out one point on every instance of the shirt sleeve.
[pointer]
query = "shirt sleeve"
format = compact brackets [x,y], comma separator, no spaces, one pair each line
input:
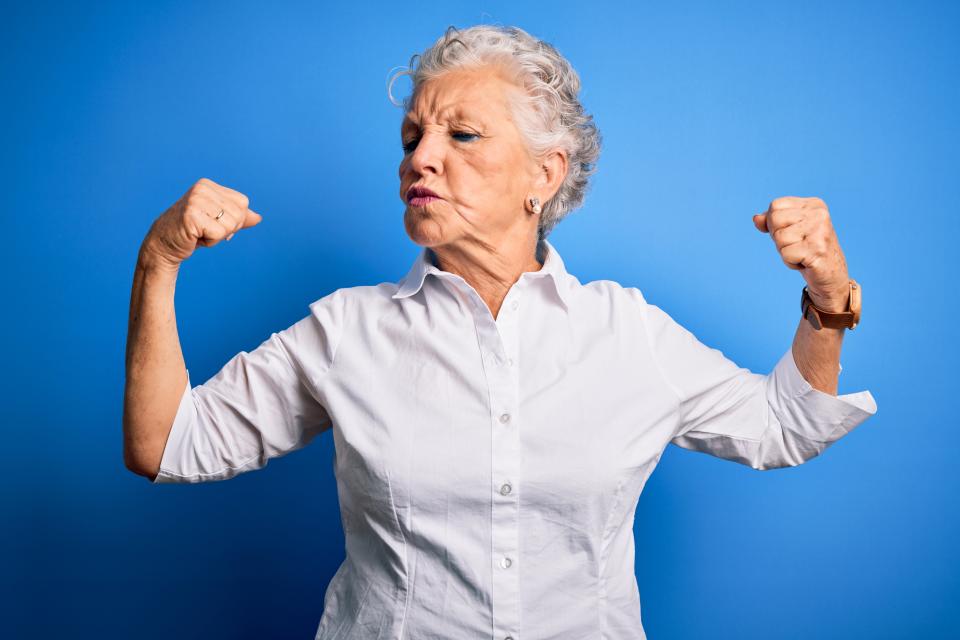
[763,421]
[260,405]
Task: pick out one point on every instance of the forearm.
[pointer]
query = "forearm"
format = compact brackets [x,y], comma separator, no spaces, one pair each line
[155,368]
[817,354]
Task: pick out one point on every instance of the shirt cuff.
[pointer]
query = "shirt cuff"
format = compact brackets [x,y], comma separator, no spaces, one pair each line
[185,414]
[813,413]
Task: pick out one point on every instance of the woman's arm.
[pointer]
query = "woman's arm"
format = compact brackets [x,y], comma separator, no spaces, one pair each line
[817,354]
[763,421]
[156,371]
[802,230]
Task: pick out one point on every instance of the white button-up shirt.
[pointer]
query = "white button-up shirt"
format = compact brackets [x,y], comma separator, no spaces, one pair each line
[488,470]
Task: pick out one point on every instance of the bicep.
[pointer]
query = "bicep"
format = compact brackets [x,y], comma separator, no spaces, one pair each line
[715,394]
[260,405]
[761,420]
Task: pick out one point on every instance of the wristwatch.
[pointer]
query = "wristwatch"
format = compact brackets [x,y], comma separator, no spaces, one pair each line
[820,318]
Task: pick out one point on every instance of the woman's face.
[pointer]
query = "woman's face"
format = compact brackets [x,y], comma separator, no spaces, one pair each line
[461,143]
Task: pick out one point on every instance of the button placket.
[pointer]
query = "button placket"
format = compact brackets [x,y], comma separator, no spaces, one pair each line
[506,457]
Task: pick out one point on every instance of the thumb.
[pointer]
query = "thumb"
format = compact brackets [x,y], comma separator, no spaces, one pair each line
[252,218]
[760,221]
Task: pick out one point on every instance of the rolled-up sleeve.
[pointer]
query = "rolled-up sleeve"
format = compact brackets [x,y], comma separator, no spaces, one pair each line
[763,421]
[260,405]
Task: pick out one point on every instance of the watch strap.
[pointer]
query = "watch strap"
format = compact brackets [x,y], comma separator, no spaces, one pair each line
[845,319]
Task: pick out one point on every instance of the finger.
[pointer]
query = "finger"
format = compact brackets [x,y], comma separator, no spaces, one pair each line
[251,218]
[210,232]
[206,211]
[791,202]
[779,218]
[225,193]
[212,208]
[235,196]
[760,221]
[791,233]
[796,255]
[770,221]
[240,218]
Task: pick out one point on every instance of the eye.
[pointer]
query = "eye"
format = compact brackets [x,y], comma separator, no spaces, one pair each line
[464,136]
[411,145]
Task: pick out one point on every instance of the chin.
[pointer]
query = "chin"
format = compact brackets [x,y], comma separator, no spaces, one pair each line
[422,228]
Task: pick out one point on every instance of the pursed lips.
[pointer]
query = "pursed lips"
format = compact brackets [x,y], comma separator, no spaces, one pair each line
[419,196]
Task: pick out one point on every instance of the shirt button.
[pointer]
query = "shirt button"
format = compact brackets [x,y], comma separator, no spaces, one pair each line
[505,489]
[505,418]
[505,562]
[509,362]
[516,303]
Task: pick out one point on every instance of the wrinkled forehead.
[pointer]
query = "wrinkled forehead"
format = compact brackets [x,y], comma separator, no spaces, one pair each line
[462,96]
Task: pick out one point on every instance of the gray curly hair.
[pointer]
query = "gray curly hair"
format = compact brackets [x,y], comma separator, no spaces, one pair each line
[551,114]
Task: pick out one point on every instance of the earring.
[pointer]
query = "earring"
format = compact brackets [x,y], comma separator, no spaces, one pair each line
[535,204]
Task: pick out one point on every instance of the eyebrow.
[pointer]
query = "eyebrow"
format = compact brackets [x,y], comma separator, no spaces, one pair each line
[453,114]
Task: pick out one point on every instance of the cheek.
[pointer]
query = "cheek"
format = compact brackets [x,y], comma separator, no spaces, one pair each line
[491,176]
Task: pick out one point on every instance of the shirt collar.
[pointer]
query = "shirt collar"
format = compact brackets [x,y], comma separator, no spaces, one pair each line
[553,268]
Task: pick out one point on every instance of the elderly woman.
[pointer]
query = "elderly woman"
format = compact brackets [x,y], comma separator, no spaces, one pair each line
[494,418]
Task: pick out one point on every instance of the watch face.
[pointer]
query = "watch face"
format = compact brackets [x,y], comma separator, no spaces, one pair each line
[856,294]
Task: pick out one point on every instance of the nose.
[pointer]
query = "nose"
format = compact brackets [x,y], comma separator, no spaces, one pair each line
[427,157]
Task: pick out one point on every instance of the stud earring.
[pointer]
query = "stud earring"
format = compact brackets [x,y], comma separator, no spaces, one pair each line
[535,204]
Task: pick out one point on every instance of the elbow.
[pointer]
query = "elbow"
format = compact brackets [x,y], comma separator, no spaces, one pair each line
[140,460]
[770,465]
[784,451]
[136,464]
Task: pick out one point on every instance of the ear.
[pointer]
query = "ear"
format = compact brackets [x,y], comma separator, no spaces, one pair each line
[551,171]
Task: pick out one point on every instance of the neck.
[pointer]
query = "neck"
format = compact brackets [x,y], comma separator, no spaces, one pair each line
[491,269]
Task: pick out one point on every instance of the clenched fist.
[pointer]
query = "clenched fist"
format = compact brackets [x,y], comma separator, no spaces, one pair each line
[805,237]
[206,214]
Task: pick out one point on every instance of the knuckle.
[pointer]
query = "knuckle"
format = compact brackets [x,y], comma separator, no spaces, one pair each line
[196,190]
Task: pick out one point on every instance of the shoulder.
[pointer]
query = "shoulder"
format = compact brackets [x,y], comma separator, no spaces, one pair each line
[353,303]
[339,313]
[610,294]
[351,300]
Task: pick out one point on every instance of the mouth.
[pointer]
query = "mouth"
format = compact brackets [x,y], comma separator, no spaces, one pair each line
[419,196]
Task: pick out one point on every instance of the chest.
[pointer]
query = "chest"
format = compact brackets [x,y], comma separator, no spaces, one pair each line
[437,414]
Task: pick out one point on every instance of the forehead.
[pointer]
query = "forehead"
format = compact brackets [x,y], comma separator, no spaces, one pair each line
[476,94]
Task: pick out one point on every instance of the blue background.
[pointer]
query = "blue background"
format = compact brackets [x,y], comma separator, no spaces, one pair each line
[111,111]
